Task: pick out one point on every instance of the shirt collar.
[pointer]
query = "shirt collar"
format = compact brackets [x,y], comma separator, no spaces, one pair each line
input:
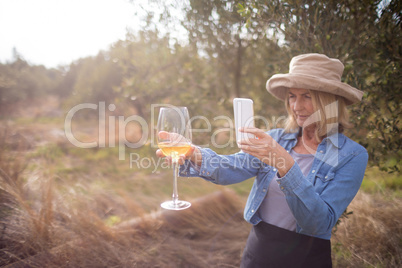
[337,139]
[290,136]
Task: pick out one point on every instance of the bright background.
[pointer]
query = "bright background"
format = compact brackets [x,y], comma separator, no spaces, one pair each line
[56,32]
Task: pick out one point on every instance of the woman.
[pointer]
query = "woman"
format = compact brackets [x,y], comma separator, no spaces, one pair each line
[306,174]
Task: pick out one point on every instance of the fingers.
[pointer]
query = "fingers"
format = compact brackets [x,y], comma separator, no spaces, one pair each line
[159,153]
[254,141]
[254,149]
[190,152]
[163,135]
[188,155]
[182,158]
[171,137]
[180,161]
[258,133]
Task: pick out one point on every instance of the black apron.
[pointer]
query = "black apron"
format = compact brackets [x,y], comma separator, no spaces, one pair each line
[271,246]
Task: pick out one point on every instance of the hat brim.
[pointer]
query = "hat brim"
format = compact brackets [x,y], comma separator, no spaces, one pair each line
[279,84]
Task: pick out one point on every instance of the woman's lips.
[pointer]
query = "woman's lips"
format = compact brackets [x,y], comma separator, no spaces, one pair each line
[302,116]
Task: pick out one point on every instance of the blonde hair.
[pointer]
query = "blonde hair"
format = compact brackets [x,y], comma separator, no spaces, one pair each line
[331,114]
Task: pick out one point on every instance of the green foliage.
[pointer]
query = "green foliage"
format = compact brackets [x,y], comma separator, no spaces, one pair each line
[113,220]
[215,29]
[379,181]
[152,71]
[51,153]
[366,36]
[96,79]
[21,81]
[232,48]
[381,112]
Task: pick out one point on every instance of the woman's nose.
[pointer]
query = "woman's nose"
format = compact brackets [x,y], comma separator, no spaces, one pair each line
[298,104]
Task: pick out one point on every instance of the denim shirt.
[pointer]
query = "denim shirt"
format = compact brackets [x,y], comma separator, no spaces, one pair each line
[316,200]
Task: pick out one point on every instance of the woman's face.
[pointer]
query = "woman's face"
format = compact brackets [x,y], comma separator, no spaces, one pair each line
[301,104]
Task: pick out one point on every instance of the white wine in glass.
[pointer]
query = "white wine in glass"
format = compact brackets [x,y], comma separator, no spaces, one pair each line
[174,139]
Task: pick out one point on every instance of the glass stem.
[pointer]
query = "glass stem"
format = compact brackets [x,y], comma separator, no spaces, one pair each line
[175,196]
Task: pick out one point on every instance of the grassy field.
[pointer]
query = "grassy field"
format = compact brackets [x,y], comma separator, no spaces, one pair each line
[63,206]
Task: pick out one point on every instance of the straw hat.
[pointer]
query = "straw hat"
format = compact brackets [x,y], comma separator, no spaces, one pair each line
[315,72]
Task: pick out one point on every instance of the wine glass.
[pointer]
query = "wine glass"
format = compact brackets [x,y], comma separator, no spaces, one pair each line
[174,139]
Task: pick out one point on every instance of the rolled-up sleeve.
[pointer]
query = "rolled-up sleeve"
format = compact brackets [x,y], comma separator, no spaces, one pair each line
[317,213]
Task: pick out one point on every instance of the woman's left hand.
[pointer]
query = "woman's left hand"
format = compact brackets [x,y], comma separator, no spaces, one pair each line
[265,148]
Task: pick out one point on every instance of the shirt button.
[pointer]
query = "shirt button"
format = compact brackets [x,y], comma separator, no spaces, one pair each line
[326,177]
[264,190]
[313,171]
[321,151]
[252,210]
[282,188]
[274,169]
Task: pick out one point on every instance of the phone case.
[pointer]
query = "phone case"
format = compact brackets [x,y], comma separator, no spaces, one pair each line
[244,116]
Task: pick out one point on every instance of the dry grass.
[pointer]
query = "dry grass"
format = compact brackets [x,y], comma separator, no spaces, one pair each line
[77,225]
[372,236]
[80,221]
[211,234]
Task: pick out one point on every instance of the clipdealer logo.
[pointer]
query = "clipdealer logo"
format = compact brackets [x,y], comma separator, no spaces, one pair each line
[148,131]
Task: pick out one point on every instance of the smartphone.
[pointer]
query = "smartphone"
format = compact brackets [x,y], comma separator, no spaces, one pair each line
[244,116]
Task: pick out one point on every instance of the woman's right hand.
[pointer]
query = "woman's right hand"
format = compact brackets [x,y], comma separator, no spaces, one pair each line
[194,154]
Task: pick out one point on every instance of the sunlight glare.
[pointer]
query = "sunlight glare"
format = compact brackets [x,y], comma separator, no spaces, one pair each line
[54,32]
